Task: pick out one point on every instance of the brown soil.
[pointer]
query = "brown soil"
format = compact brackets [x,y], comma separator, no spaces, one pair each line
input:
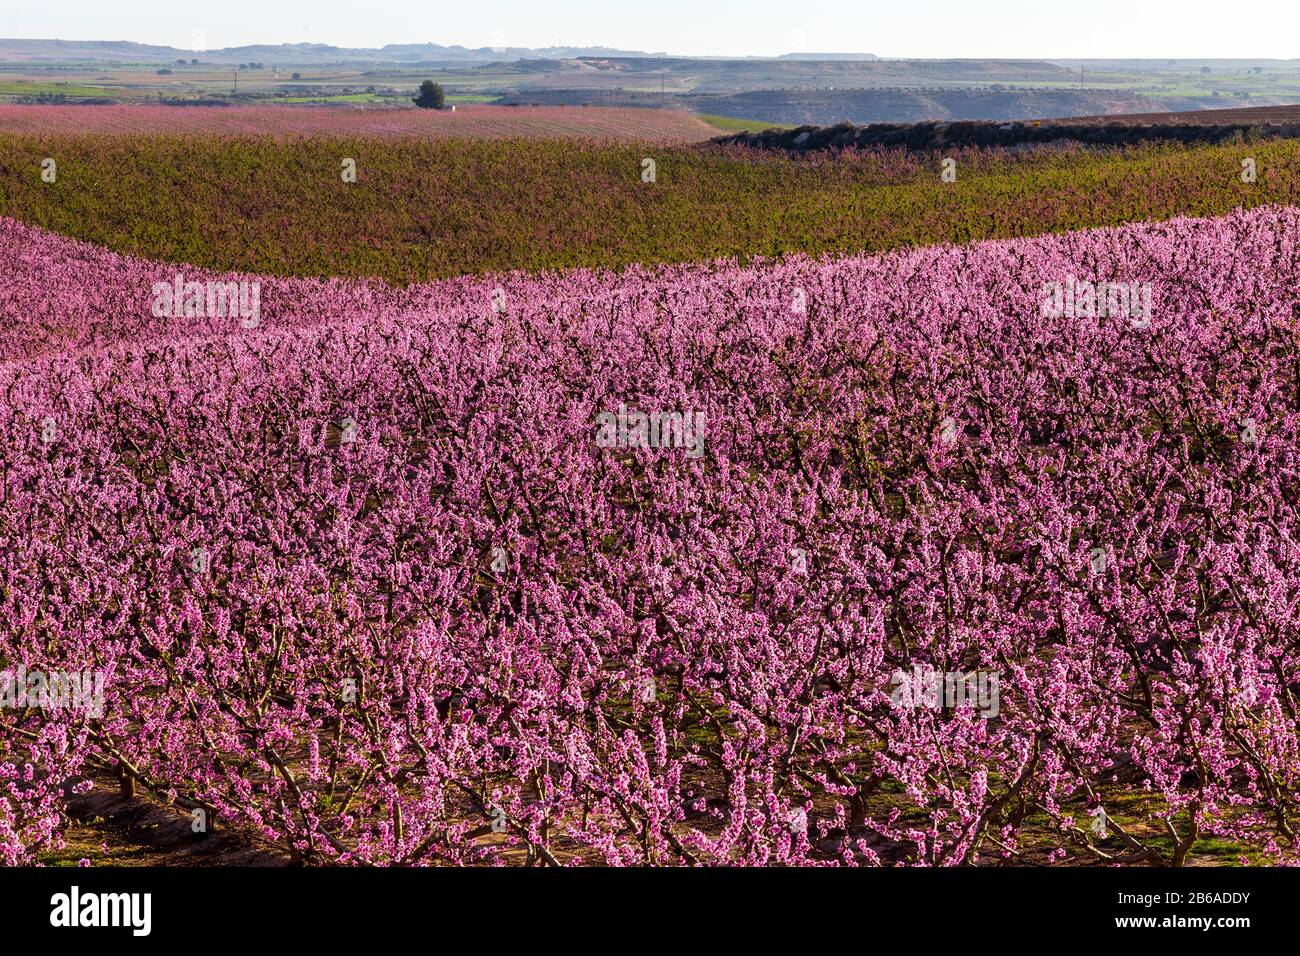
[111,830]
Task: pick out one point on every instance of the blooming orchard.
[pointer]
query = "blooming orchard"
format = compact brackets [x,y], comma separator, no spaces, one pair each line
[470,121]
[366,586]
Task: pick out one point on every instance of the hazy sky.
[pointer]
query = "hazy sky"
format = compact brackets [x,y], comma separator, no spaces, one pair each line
[920,28]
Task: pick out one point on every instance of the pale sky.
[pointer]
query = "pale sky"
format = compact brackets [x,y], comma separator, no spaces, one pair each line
[897,28]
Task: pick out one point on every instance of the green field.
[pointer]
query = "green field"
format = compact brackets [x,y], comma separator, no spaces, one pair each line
[470,98]
[733,125]
[13,88]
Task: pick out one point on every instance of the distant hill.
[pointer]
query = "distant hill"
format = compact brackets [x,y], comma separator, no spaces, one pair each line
[882,105]
[286,54]
[837,57]
[823,107]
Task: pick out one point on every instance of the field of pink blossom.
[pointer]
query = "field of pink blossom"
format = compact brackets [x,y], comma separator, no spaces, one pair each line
[365,584]
[472,121]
